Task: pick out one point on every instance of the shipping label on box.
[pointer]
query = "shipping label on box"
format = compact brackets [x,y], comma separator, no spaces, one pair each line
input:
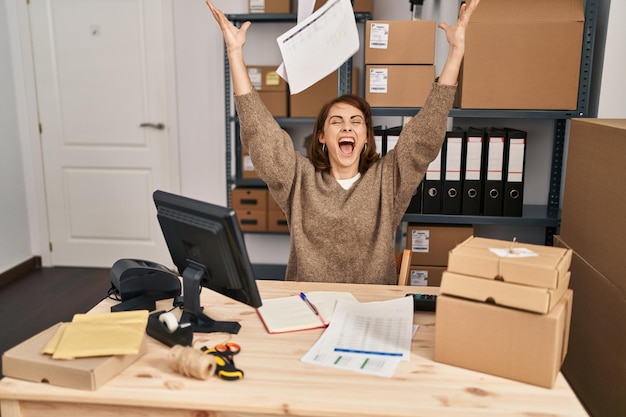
[425,275]
[269,6]
[398,85]
[400,42]
[502,341]
[265,78]
[535,299]
[521,263]
[430,244]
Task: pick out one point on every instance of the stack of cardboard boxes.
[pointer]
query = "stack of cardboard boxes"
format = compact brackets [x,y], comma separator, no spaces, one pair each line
[257,211]
[593,225]
[429,246]
[399,62]
[505,309]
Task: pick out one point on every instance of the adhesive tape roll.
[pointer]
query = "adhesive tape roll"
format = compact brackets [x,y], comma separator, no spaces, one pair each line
[170,321]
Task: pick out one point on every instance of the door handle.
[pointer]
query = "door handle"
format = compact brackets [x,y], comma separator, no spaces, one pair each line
[158,126]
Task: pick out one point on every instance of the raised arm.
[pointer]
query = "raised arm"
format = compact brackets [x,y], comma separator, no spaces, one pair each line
[455,34]
[234,38]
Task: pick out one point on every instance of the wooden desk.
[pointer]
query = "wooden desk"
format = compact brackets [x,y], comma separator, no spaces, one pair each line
[276,383]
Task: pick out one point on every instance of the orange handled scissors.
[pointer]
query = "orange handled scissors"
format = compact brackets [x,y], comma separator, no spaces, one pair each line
[224,353]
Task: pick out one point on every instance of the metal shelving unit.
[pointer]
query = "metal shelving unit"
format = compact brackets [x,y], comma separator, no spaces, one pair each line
[547,216]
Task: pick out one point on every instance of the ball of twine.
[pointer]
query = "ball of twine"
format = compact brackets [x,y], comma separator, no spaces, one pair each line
[191,362]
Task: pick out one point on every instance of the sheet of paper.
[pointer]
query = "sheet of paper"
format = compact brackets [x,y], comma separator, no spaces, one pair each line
[305,8]
[318,45]
[370,338]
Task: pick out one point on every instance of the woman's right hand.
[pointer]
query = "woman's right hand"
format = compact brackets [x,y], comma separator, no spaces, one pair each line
[234,37]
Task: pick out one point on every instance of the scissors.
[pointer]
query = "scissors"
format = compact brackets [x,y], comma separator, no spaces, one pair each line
[224,353]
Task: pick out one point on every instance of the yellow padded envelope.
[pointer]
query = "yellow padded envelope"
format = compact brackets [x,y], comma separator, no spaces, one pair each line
[104,334]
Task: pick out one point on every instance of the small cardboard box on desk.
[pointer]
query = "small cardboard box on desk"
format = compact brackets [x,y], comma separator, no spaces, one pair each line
[26,361]
[505,310]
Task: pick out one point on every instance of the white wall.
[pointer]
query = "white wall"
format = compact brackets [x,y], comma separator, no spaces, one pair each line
[612,94]
[15,242]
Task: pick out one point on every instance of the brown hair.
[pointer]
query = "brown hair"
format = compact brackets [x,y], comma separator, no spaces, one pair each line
[319,158]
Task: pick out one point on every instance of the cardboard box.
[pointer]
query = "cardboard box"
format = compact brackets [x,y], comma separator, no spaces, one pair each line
[265,78]
[269,6]
[400,42]
[276,102]
[593,220]
[25,361]
[425,275]
[359,6]
[524,297]
[252,220]
[277,222]
[430,244]
[502,341]
[526,264]
[249,199]
[271,87]
[309,102]
[398,85]
[523,55]
[595,366]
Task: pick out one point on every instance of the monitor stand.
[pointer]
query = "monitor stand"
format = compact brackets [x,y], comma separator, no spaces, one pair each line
[192,310]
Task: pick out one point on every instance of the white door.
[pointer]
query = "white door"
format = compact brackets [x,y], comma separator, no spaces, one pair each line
[100,75]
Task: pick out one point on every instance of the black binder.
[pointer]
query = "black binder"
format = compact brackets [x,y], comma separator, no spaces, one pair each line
[431,193]
[453,169]
[494,174]
[473,172]
[514,173]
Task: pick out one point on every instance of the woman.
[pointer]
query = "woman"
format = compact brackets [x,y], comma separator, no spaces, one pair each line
[343,203]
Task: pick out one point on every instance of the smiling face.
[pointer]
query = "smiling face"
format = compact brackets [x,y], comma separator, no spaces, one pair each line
[345,136]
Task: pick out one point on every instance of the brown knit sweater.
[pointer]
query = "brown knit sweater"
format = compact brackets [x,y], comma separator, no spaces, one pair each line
[342,235]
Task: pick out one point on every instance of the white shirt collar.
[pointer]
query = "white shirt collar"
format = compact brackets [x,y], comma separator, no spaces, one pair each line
[347,183]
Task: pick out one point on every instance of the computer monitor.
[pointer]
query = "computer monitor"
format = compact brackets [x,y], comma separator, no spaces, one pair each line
[208,249]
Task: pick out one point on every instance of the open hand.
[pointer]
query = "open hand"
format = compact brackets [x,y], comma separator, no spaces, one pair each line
[234,37]
[455,34]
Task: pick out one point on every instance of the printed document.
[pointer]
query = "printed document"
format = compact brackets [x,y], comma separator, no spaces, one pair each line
[370,338]
[318,45]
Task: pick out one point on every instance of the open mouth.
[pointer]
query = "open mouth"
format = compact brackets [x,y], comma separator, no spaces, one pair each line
[346,145]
